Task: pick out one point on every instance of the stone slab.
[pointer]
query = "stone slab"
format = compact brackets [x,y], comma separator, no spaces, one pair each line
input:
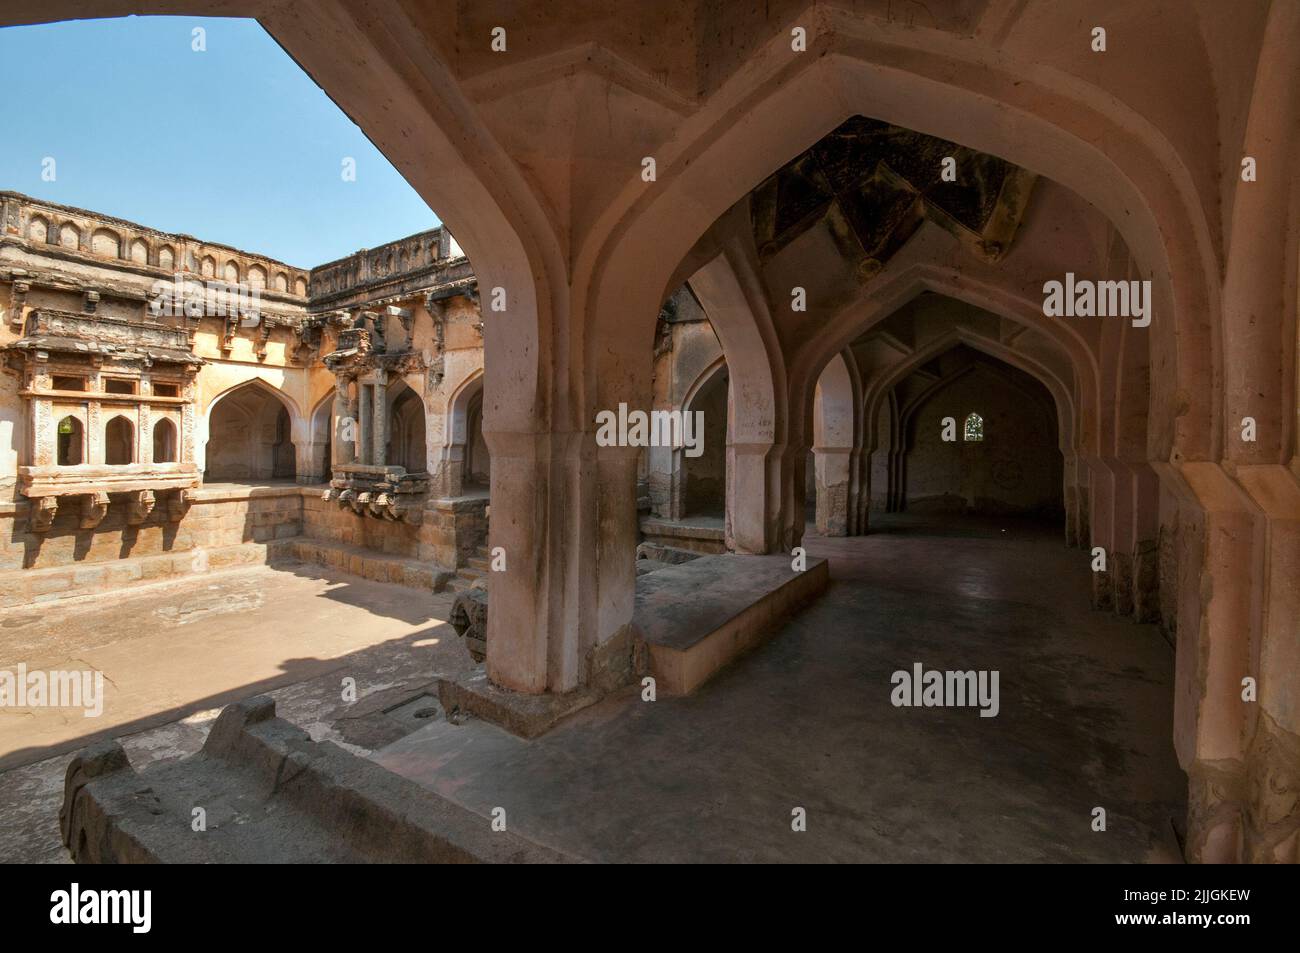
[699,616]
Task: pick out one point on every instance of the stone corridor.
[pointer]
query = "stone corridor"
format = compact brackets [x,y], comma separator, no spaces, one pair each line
[806,721]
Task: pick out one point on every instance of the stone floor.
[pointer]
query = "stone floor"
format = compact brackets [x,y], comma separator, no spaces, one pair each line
[174,653]
[804,721]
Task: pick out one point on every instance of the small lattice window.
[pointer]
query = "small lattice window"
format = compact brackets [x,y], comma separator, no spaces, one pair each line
[974,429]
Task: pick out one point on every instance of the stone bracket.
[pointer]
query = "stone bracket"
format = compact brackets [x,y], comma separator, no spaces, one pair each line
[178,504]
[94,507]
[44,509]
[379,504]
[140,504]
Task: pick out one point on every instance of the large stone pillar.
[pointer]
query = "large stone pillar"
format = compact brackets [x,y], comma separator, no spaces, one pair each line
[753,497]
[1238,528]
[564,518]
[834,476]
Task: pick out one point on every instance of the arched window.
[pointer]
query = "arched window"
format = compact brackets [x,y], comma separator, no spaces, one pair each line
[72,442]
[119,442]
[164,441]
[974,429]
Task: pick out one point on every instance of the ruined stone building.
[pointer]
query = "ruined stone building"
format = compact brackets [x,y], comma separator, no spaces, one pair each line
[973,258]
[163,395]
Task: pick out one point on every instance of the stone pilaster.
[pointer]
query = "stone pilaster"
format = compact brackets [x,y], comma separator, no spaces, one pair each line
[363,422]
[379,425]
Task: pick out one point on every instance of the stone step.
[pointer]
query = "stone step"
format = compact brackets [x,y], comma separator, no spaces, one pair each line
[369,564]
[701,534]
[696,617]
[21,587]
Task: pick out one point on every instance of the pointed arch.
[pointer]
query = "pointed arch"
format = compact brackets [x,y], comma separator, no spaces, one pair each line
[248,433]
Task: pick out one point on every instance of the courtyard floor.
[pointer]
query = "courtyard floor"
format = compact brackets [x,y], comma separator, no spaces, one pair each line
[174,653]
[803,722]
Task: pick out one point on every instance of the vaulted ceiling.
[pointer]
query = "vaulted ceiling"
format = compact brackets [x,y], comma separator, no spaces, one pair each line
[870,185]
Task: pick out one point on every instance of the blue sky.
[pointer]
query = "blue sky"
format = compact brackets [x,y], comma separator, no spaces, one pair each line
[234,145]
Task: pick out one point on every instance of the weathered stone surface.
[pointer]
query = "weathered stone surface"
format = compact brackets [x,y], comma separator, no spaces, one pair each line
[269,794]
[469,619]
[525,715]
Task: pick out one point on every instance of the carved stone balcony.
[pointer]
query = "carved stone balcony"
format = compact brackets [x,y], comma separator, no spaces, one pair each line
[384,492]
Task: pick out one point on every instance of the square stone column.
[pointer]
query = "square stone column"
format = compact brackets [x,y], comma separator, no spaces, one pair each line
[342,451]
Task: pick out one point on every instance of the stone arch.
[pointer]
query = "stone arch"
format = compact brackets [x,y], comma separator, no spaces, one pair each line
[70,236]
[478,457]
[167,257]
[1055,386]
[433,136]
[879,397]
[321,463]
[70,432]
[700,484]
[38,229]
[300,287]
[230,272]
[1137,181]
[895,287]
[892,291]
[140,251]
[106,243]
[980,485]
[281,281]
[777,108]
[256,277]
[119,441]
[407,435]
[254,423]
[453,455]
[165,443]
[736,309]
[208,268]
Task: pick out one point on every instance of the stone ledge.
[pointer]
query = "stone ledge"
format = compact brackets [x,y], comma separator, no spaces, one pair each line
[369,564]
[696,537]
[252,491]
[21,587]
[270,795]
[699,616]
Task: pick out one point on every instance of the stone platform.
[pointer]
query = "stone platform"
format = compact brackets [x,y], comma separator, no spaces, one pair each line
[696,617]
[269,795]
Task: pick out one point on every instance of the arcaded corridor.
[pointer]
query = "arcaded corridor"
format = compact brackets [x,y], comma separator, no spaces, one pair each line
[806,721]
[804,348]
